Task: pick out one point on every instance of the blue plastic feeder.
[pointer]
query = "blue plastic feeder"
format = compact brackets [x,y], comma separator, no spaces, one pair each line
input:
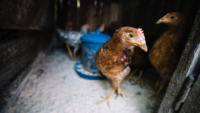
[91,43]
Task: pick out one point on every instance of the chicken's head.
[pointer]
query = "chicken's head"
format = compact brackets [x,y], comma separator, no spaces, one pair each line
[129,36]
[172,19]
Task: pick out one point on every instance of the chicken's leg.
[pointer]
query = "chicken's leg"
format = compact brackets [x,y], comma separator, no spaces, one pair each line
[130,77]
[107,98]
[119,91]
[139,78]
[155,95]
[75,51]
[74,54]
[157,84]
[162,84]
[115,85]
[68,48]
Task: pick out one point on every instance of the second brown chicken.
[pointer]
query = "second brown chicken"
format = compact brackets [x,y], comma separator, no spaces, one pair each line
[165,53]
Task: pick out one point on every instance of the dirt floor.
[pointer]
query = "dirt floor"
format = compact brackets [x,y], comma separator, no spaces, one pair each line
[55,87]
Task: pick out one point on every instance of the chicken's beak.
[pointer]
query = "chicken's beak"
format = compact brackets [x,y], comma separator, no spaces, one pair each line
[144,47]
[159,21]
[162,20]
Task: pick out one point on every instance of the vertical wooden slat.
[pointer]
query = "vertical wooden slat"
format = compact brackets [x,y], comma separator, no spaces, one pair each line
[192,102]
[186,64]
[111,13]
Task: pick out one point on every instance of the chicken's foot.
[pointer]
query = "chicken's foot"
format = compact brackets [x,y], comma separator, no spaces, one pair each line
[138,80]
[70,52]
[130,77]
[107,98]
[119,91]
[155,95]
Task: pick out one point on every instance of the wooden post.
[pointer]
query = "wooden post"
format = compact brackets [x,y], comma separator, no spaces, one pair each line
[192,102]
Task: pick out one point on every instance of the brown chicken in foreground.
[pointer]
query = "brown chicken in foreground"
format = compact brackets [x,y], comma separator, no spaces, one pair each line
[164,55]
[111,59]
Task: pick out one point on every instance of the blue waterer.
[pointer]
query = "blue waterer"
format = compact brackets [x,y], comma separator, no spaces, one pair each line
[91,43]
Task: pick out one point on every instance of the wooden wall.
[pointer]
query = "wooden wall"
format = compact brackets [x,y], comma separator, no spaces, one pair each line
[91,12]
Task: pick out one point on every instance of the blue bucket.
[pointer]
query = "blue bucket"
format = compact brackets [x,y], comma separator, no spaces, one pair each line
[91,43]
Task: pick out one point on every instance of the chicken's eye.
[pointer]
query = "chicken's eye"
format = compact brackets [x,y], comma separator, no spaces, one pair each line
[130,35]
[172,17]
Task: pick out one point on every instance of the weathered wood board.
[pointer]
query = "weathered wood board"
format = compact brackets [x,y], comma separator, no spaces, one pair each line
[192,103]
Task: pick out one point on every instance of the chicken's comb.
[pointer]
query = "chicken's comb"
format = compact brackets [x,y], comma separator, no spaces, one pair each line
[141,30]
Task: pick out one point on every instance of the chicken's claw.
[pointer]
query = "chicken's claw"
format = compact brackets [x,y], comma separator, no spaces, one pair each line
[137,82]
[119,94]
[105,100]
[129,78]
[154,95]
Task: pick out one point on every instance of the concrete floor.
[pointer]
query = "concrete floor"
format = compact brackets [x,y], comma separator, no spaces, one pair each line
[54,87]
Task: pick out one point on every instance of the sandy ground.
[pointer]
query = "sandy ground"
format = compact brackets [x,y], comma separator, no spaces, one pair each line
[55,87]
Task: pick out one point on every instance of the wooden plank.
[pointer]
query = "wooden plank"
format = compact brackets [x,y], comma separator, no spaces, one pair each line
[17,92]
[183,92]
[185,68]
[192,102]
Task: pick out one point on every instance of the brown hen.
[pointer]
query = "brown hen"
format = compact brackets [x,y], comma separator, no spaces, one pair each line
[111,59]
[164,55]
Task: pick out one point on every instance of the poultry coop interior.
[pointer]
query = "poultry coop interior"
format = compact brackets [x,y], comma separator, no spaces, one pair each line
[47,65]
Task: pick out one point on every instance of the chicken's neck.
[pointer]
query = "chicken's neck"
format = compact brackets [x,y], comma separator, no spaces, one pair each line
[115,47]
[174,34]
[178,28]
